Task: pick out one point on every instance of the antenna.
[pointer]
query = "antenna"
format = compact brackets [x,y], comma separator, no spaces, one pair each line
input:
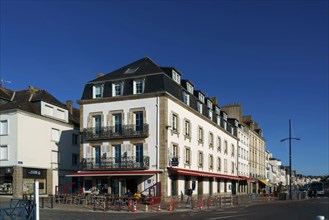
[3,81]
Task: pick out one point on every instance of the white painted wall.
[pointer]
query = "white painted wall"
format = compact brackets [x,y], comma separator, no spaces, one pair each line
[126,105]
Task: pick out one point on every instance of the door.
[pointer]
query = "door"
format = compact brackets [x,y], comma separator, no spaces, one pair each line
[117,124]
[117,155]
[97,151]
[139,122]
[139,155]
[98,125]
[200,186]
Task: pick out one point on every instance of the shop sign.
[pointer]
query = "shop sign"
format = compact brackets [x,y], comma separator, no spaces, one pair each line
[34,173]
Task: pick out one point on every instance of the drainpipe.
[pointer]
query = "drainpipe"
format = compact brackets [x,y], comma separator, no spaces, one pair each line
[157,136]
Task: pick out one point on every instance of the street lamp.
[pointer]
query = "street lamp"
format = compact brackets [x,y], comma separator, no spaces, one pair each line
[290,138]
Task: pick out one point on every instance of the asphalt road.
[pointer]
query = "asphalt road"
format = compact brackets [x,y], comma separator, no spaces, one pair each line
[284,210]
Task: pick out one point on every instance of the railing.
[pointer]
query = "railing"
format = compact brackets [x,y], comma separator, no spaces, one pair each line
[115,163]
[116,132]
[19,209]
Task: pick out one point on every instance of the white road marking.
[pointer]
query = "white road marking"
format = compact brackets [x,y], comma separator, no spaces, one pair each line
[230,216]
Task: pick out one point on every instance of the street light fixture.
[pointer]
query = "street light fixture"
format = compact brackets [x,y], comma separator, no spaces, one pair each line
[290,138]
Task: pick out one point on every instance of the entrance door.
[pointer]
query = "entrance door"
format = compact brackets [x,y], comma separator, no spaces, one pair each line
[118,187]
[117,124]
[233,187]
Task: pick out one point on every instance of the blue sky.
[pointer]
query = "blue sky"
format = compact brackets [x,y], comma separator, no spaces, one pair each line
[269,56]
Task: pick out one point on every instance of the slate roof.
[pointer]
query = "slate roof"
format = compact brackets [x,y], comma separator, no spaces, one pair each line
[29,101]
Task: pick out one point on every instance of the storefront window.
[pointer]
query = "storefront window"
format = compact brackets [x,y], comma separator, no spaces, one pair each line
[6,181]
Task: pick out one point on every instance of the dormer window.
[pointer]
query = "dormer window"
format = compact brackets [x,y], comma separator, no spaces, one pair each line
[186,98]
[225,116]
[199,106]
[217,110]
[138,86]
[209,104]
[189,87]
[210,114]
[117,89]
[176,76]
[98,91]
[201,97]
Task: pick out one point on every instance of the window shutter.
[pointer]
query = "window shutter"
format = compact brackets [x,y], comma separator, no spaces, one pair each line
[145,149]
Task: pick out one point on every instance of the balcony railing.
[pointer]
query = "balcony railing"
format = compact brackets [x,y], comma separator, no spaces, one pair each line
[116,132]
[115,163]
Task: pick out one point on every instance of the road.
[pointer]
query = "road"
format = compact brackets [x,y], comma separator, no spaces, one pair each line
[284,210]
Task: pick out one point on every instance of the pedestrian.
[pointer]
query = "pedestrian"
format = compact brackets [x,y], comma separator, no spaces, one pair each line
[128,193]
[189,195]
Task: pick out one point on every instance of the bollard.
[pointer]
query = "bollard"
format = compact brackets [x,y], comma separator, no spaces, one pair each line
[42,202]
[52,202]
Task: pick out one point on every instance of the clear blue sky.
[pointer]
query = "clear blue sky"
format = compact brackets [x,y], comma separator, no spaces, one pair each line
[269,56]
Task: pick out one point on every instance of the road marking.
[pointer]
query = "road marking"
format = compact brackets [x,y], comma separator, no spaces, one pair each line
[230,216]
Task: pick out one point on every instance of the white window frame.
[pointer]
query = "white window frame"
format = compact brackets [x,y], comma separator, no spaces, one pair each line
[136,83]
[200,159]
[209,104]
[199,107]
[211,161]
[187,128]
[186,98]
[174,119]
[114,85]
[98,91]
[200,134]
[201,97]
[176,76]
[4,127]
[187,155]
[210,114]
[55,135]
[4,152]
[219,163]
[189,88]
[211,140]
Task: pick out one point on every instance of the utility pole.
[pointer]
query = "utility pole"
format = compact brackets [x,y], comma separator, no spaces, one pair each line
[290,138]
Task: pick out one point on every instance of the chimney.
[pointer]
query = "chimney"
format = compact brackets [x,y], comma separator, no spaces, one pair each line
[214,100]
[69,106]
[100,75]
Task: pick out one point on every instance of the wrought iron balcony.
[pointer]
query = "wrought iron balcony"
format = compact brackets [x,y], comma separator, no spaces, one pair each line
[116,132]
[115,163]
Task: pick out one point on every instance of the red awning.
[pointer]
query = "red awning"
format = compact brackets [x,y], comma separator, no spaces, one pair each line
[115,173]
[202,173]
[247,179]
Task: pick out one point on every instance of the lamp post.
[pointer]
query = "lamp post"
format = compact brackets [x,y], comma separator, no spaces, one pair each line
[290,138]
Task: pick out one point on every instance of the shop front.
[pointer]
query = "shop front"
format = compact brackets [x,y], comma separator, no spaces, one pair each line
[30,176]
[6,181]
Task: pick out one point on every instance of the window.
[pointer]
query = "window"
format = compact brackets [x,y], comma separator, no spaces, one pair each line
[139,154]
[75,139]
[218,119]
[175,151]
[232,150]
[201,97]
[138,86]
[139,121]
[225,165]
[4,127]
[219,164]
[187,156]
[210,115]
[209,104]
[55,135]
[200,134]
[186,98]
[200,159]
[75,159]
[225,147]
[174,122]
[97,91]
[117,89]
[211,140]
[187,128]
[189,88]
[3,152]
[211,161]
[49,110]
[132,69]
[176,76]
[232,167]
[199,106]
[117,119]
[97,124]
[219,144]
[61,114]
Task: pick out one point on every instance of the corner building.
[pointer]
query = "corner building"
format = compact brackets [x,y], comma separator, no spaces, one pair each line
[144,128]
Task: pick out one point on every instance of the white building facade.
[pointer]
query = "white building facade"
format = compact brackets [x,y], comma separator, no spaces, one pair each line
[146,129]
[39,142]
